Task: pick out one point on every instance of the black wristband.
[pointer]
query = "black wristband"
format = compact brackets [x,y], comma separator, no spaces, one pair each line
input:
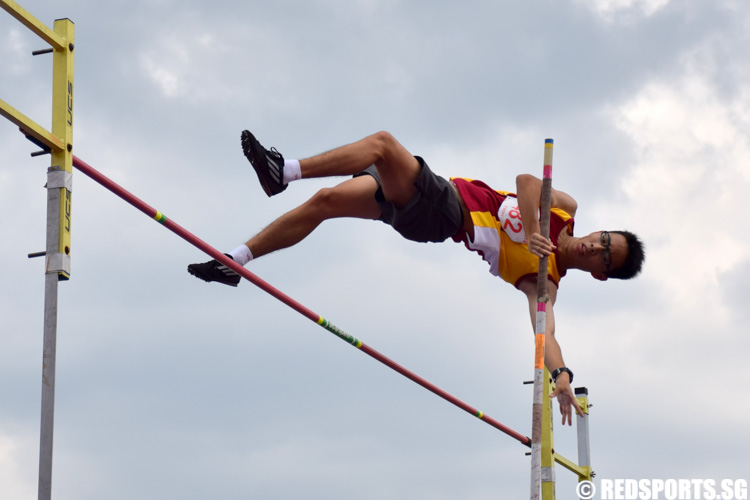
[557,373]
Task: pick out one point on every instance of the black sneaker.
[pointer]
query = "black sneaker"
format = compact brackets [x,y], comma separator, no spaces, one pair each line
[268,164]
[215,271]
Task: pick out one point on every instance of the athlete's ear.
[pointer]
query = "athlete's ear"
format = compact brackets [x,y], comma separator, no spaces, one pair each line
[599,276]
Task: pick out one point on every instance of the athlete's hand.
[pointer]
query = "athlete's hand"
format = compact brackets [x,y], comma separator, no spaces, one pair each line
[566,399]
[540,246]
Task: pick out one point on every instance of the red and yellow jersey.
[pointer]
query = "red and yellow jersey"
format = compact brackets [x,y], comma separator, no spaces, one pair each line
[498,232]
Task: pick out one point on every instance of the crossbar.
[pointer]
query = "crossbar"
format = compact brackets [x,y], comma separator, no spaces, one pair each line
[41,137]
[32,23]
[309,314]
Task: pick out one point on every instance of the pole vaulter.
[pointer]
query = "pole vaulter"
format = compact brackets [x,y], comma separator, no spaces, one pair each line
[266,287]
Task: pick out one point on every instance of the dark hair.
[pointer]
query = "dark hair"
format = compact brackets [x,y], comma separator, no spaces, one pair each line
[633,261]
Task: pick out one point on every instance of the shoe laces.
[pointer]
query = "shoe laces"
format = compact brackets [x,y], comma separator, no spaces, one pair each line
[275,153]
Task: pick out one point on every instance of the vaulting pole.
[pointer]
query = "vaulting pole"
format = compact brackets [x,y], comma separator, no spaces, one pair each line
[205,247]
[541,328]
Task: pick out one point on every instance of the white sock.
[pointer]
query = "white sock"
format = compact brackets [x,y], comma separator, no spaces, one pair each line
[241,255]
[291,171]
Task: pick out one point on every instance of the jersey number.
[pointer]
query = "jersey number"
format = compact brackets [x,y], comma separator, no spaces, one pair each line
[513,213]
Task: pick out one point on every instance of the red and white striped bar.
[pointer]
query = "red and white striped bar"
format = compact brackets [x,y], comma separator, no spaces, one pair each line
[219,256]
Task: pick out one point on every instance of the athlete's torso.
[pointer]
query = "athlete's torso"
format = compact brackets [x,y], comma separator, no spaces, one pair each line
[499,235]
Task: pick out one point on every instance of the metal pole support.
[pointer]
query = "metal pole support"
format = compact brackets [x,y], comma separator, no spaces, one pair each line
[582,429]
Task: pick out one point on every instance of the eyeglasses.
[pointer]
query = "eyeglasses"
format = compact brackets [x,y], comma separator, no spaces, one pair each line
[606,253]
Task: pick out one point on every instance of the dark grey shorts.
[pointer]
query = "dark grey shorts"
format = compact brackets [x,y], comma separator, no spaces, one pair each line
[433,214]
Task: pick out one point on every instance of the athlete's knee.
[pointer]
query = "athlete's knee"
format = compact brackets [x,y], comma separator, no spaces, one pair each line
[383,142]
[326,202]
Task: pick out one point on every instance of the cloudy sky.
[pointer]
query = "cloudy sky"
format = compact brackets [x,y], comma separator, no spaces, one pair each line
[171,388]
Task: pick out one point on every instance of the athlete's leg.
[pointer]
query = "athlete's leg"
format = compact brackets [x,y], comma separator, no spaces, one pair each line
[352,198]
[398,169]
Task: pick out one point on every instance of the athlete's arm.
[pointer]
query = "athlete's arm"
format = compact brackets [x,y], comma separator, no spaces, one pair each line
[528,186]
[529,192]
[553,358]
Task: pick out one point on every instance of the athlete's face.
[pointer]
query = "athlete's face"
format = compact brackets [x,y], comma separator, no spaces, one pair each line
[600,252]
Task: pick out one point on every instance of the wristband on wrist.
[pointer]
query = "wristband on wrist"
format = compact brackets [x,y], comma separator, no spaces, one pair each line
[558,371]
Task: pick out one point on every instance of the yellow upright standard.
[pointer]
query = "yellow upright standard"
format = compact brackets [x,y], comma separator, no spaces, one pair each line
[59,144]
[62,127]
[549,457]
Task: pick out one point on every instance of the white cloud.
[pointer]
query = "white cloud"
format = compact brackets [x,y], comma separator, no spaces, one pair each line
[14,483]
[184,67]
[16,60]
[687,189]
[611,10]
[686,197]
[496,156]
[167,66]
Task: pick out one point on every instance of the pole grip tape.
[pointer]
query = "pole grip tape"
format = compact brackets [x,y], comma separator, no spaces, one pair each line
[539,352]
[548,145]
